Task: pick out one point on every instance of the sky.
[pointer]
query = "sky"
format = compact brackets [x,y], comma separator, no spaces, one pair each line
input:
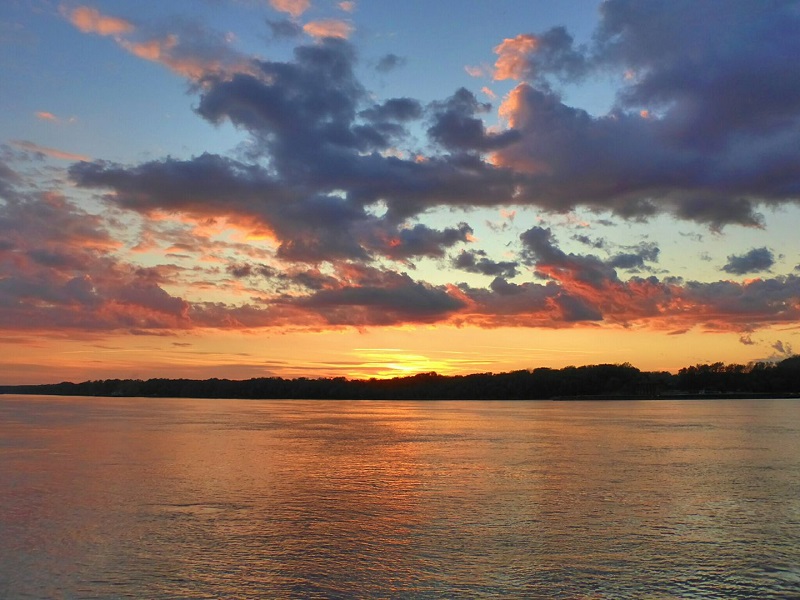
[318,188]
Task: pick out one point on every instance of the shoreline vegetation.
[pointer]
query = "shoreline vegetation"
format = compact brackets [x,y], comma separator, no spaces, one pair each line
[591,382]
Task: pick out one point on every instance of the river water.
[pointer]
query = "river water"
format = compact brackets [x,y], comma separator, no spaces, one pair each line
[181,498]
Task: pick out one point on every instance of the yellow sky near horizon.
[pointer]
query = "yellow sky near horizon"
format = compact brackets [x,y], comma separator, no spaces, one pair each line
[380,353]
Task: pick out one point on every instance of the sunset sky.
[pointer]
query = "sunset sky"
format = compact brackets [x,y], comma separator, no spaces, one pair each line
[248,188]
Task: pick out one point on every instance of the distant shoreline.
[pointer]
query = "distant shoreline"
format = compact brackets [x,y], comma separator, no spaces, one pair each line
[591,382]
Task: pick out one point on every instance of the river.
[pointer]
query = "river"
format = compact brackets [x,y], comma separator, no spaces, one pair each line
[182,498]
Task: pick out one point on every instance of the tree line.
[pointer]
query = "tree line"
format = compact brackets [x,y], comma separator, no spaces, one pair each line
[591,381]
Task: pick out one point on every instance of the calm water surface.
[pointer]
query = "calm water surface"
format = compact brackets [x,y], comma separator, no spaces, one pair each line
[163,498]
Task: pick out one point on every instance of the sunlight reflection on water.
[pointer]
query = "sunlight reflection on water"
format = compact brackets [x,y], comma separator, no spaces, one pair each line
[162,498]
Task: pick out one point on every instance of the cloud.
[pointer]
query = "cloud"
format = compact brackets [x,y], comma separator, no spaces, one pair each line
[476,261]
[329,28]
[46,151]
[693,156]
[757,259]
[389,62]
[90,20]
[739,48]
[46,116]
[512,60]
[585,239]
[456,126]
[189,49]
[60,272]
[393,299]
[284,29]
[182,45]
[783,348]
[531,57]
[292,7]
[337,181]
[347,6]
[421,240]
[622,162]
[309,228]
[476,71]
[712,147]
[394,109]
[540,250]
[645,252]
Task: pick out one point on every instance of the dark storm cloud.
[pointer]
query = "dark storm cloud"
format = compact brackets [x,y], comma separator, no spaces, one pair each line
[392,298]
[575,309]
[754,261]
[310,227]
[456,126]
[293,107]
[421,240]
[622,162]
[706,126]
[60,271]
[324,150]
[720,128]
[539,249]
[476,261]
[747,303]
[309,121]
[394,109]
[717,68]
[205,184]
[636,259]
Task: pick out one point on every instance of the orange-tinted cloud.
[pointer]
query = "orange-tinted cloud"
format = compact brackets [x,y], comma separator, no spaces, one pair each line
[193,53]
[153,50]
[347,6]
[292,7]
[163,51]
[512,56]
[90,20]
[329,28]
[191,50]
[51,152]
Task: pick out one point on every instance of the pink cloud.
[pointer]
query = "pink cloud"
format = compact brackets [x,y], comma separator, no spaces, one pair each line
[328,28]
[153,50]
[46,116]
[51,152]
[90,20]
[292,7]
[475,71]
[347,6]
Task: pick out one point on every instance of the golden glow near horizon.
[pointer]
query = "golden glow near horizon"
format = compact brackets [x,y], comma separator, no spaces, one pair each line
[357,355]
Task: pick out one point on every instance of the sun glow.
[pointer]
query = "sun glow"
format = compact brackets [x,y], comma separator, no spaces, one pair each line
[385,363]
